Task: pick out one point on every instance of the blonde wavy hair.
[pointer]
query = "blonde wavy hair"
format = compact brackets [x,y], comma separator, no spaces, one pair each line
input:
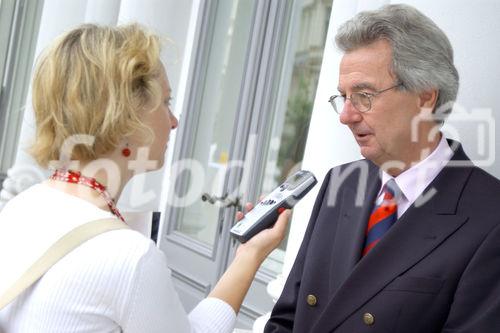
[95,80]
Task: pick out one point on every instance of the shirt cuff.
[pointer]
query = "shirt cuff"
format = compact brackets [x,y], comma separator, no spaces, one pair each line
[212,315]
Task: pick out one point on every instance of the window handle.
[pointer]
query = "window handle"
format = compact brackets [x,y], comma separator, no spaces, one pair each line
[224,200]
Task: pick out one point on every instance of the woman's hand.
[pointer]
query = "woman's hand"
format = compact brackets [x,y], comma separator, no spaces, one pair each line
[267,240]
[234,284]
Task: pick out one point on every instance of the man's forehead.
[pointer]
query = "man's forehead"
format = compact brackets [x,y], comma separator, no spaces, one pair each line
[364,77]
[366,65]
[360,86]
[357,82]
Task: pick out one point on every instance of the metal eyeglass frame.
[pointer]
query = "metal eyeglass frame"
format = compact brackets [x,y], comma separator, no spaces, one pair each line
[358,96]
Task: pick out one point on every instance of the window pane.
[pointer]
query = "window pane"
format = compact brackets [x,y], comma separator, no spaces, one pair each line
[215,123]
[291,121]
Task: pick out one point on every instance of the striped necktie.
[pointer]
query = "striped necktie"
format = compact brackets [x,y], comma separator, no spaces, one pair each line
[382,217]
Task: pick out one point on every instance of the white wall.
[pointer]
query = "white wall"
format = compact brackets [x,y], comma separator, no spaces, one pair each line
[473,29]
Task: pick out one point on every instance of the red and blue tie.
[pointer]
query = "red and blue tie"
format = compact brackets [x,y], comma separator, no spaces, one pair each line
[382,217]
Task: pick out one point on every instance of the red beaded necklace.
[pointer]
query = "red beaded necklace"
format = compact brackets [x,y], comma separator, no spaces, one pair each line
[75,177]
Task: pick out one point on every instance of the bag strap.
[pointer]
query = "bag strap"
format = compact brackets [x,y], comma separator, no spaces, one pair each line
[58,250]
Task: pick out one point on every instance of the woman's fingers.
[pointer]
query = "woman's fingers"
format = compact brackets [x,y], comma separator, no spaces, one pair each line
[248,207]
[279,228]
[239,215]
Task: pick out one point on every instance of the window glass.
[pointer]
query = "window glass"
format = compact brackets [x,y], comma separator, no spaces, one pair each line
[220,93]
[291,121]
[19,25]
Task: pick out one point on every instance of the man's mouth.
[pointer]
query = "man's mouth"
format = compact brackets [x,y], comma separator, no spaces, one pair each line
[361,135]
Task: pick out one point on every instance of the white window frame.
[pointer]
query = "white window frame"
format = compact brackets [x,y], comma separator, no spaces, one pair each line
[19,22]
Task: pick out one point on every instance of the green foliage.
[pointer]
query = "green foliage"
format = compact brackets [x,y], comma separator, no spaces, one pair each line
[297,119]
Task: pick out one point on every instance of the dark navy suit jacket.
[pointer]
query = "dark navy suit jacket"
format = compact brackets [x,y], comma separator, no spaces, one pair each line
[436,270]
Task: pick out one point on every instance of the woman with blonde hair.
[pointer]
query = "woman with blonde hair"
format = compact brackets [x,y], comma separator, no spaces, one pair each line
[101,101]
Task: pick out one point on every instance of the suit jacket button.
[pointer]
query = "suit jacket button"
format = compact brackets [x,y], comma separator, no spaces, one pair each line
[368,319]
[311,300]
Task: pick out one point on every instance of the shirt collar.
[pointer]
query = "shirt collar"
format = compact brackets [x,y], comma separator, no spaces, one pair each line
[412,182]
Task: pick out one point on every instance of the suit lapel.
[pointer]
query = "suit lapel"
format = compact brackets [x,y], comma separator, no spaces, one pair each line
[425,225]
[349,237]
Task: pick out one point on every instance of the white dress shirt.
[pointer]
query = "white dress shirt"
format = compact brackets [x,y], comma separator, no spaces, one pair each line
[414,181]
[118,281]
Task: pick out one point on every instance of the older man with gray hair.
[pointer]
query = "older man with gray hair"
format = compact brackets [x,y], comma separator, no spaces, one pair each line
[407,239]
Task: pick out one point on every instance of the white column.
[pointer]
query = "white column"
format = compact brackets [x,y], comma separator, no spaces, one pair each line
[102,12]
[168,18]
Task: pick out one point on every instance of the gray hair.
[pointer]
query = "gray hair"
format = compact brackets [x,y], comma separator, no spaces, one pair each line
[422,56]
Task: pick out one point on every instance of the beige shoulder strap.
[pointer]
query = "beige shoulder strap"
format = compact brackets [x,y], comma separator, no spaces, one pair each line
[58,250]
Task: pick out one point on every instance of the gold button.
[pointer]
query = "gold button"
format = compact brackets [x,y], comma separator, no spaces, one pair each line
[311,300]
[368,319]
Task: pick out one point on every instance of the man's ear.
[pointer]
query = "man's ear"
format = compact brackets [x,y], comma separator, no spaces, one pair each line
[428,99]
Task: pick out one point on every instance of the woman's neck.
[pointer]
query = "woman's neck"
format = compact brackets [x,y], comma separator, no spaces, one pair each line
[113,181]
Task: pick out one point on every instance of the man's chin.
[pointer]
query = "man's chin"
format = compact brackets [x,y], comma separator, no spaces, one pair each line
[366,151]
[369,153]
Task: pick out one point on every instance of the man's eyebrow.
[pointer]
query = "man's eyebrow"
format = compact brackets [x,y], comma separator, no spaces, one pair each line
[360,86]
[363,86]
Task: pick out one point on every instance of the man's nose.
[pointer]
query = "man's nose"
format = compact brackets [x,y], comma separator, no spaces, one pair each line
[350,114]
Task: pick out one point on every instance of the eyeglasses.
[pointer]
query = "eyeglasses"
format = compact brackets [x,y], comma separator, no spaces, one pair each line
[362,101]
